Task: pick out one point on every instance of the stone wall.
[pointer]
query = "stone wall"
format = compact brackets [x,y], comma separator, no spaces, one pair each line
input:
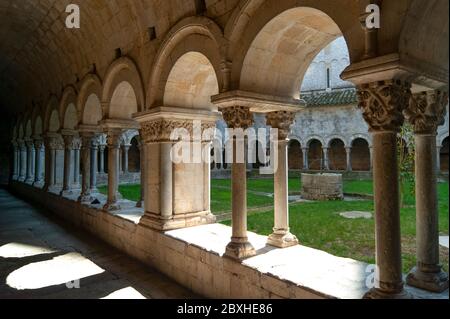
[322,187]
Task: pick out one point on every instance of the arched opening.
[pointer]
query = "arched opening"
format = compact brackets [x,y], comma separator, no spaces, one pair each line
[134,156]
[337,155]
[92,110]
[123,102]
[295,155]
[191,82]
[360,155]
[70,117]
[315,155]
[54,124]
[444,155]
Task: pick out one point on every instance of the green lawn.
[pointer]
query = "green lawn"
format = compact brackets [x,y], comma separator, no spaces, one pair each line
[318,224]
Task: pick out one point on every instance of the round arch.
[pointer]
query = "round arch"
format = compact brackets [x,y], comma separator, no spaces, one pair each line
[360,155]
[337,155]
[195,34]
[52,117]
[36,120]
[88,101]
[295,154]
[444,154]
[315,154]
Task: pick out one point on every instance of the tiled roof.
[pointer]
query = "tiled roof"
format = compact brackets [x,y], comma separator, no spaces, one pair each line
[337,97]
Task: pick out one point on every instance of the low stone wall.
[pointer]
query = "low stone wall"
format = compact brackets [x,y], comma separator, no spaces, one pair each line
[322,187]
[124,178]
[193,256]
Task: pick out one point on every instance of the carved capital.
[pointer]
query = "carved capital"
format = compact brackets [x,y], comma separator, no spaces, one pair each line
[160,130]
[282,121]
[38,143]
[114,138]
[76,143]
[426,111]
[383,103]
[54,143]
[68,141]
[237,117]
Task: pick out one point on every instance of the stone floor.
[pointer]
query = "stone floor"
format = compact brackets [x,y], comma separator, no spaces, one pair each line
[42,257]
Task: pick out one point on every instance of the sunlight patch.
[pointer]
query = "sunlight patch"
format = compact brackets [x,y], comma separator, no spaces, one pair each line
[56,271]
[125,293]
[18,250]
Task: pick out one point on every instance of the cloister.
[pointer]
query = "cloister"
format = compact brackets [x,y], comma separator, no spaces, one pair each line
[80,99]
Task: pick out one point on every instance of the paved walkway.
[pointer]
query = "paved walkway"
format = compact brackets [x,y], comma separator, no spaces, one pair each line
[43,257]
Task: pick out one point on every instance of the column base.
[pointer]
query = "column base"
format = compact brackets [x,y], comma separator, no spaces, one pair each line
[376,293]
[67,192]
[39,184]
[240,250]
[431,281]
[29,181]
[140,204]
[111,207]
[85,198]
[282,240]
[177,221]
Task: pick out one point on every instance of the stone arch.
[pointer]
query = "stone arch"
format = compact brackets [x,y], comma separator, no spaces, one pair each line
[134,157]
[337,155]
[314,137]
[444,154]
[295,154]
[281,38]
[67,108]
[88,101]
[36,121]
[195,34]
[52,117]
[360,154]
[315,154]
[122,85]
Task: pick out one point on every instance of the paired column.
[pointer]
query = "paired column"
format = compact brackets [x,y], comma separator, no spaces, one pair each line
[305,158]
[281,236]
[426,112]
[140,202]
[86,138]
[29,171]
[125,149]
[101,163]
[22,160]
[114,140]
[53,143]
[438,159]
[68,169]
[15,173]
[382,104]
[76,163]
[38,144]
[348,152]
[326,162]
[94,160]
[238,117]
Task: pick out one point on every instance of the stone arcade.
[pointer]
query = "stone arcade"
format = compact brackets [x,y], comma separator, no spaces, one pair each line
[78,91]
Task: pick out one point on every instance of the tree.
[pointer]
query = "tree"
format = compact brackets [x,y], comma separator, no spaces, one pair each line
[405,152]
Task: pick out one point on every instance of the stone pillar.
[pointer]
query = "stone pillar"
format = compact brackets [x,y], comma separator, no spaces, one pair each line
[305,158]
[140,202]
[382,104]
[101,163]
[125,149]
[22,160]
[52,144]
[426,112]
[371,158]
[114,139]
[348,151]
[29,171]
[68,169]
[76,163]
[238,117]
[85,196]
[438,160]
[38,143]
[94,159]
[15,171]
[326,162]
[281,236]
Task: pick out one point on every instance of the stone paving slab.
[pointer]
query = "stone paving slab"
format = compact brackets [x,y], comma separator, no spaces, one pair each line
[443,241]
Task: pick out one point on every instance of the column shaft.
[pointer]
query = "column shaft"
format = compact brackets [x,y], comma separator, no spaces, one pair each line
[113,170]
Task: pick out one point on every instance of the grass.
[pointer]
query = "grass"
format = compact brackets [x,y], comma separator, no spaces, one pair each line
[318,224]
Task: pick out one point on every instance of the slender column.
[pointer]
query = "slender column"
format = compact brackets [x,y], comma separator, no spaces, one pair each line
[15,172]
[438,159]
[114,139]
[29,170]
[426,112]
[281,236]
[93,174]
[52,144]
[76,163]
[326,165]
[382,104]
[140,202]
[305,158]
[68,150]
[238,117]
[348,151]
[125,149]
[38,143]
[101,162]
[23,160]
[85,196]
[206,146]
[371,158]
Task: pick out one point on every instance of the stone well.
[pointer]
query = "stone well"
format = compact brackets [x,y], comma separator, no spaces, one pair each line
[322,187]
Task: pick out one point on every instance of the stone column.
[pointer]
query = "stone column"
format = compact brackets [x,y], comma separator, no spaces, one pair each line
[85,196]
[114,139]
[348,151]
[125,149]
[29,171]
[426,112]
[140,202]
[76,163]
[281,236]
[382,104]
[101,163]
[52,144]
[22,160]
[94,159]
[305,158]
[68,150]
[326,162]
[238,117]
[15,171]
[438,160]
[371,158]
[38,143]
